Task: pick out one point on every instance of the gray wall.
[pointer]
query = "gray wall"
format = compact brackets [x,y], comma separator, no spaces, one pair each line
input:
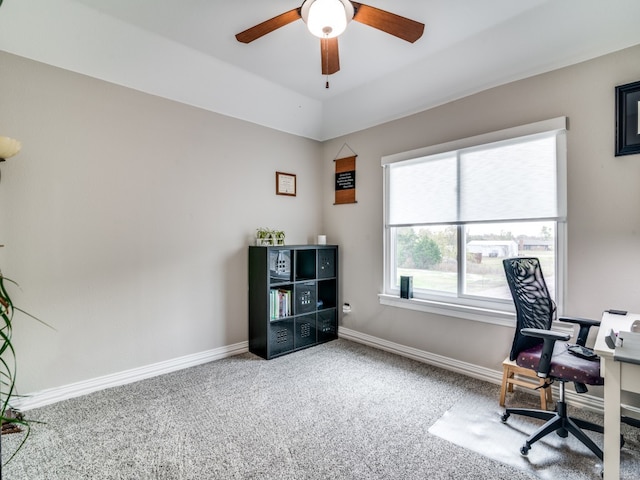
[603,204]
[126,220]
[126,217]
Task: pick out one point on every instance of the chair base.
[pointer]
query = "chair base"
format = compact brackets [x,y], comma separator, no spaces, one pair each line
[509,371]
[559,422]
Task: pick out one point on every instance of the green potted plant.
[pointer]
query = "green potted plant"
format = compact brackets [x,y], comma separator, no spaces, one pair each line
[12,420]
[278,237]
[264,237]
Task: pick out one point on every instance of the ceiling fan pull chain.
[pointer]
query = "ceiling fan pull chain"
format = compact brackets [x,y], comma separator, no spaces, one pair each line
[326,51]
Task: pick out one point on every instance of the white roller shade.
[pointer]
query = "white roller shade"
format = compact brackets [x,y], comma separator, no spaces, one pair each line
[514,179]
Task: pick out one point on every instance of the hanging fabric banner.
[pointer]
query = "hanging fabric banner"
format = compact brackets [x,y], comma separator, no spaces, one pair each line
[345,180]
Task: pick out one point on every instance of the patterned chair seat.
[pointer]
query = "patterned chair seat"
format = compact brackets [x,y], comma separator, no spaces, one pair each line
[564,365]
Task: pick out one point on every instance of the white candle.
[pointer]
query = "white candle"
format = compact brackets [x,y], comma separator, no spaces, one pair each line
[322,239]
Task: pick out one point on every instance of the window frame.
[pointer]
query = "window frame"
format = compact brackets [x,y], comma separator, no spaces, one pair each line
[497,311]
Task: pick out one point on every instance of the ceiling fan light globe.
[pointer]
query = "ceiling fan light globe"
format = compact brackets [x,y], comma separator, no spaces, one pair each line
[327,18]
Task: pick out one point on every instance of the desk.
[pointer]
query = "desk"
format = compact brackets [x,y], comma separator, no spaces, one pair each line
[618,376]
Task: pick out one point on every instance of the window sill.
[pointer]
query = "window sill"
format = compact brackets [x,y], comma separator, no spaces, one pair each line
[486,315]
[495,317]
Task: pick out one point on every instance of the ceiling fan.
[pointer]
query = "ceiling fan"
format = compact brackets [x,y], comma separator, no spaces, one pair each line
[327,19]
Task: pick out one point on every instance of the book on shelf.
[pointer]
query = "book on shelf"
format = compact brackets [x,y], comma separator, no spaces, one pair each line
[280,303]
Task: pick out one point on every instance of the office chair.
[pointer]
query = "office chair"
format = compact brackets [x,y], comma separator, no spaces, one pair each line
[536,346]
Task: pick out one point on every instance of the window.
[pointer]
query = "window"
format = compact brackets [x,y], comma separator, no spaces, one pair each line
[454,211]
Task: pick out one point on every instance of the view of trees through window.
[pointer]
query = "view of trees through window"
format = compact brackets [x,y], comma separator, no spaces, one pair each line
[430,255]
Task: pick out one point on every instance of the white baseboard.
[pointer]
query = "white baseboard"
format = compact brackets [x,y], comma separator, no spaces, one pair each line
[53,395]
[447,363]
[586,401]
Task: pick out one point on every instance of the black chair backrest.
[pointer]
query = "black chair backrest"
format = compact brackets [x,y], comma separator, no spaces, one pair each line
[534,306]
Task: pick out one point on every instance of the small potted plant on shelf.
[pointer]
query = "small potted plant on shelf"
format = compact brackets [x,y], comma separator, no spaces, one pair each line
[264,237]
[278,237]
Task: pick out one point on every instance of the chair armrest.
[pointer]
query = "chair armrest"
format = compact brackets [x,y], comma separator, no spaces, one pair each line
[545,334]
[585,325]
[549,337]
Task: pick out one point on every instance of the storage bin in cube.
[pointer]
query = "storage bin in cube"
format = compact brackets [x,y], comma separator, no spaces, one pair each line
[305,327]
[280,265]
[305,297]
[327,325]
[326,263]
[281,337]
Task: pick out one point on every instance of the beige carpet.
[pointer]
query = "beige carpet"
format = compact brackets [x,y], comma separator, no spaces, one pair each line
[338,411]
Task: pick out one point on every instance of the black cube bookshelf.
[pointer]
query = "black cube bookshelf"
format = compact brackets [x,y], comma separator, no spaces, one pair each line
[293,298]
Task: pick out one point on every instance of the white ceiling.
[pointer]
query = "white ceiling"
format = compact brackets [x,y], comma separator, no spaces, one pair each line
[186,50]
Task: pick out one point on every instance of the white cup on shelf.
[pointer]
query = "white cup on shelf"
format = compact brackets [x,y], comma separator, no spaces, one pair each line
[322,239]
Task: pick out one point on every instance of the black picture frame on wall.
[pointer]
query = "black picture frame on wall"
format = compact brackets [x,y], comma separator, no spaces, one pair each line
[628,119]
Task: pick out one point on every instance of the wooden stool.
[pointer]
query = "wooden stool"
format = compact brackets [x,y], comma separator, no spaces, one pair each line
[510,369]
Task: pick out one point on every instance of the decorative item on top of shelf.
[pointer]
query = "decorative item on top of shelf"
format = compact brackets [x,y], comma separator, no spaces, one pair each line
[266,237]
[263,237]
[278,237]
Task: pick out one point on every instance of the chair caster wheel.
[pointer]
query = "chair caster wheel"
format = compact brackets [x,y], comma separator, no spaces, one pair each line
[504,417]
[524,450]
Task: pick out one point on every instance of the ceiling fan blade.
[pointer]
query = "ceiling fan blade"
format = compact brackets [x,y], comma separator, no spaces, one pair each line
[268,26]
[388,22]
[330,57]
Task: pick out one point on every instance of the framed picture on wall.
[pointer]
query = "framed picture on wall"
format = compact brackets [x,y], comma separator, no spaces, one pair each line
[628,119]
[285,184]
